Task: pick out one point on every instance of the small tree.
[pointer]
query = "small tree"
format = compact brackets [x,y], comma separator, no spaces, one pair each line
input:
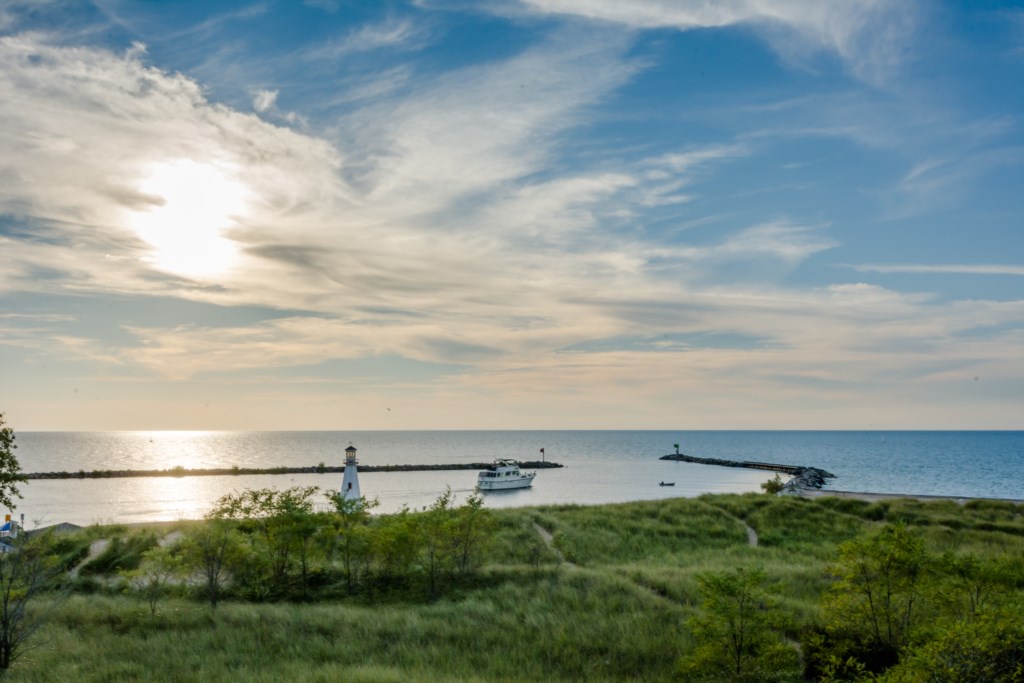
[436,526]
[472,529]
[210,550]
[27,569]
[971,583]
[394,545]
[875,604]
[10,468]
[735,631]
[350,534]
[773,485]
[160,569]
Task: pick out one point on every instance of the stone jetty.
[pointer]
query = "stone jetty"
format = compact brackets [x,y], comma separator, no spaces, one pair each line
[802,477]
[313,469]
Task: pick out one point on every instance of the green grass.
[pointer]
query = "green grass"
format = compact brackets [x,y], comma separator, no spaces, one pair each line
[616,610]
[559,619]
[653,530]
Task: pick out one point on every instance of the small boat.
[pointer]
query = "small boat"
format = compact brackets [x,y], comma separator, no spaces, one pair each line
[504,474]
[667,483]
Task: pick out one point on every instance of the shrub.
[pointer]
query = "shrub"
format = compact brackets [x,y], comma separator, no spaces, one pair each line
[773,485]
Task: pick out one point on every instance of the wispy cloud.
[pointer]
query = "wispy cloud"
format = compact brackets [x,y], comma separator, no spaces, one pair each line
[262,100]
[402,34]
[1015,18]
[207,28]
[938,155]
[787,242]
[871,36]
[479,126]
[966,269]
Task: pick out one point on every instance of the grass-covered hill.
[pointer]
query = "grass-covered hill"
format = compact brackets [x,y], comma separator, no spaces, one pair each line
[721,587]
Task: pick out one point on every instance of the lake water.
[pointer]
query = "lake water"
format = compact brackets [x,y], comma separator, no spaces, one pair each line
[600,466]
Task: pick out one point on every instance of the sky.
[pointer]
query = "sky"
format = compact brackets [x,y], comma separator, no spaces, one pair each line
[515,214]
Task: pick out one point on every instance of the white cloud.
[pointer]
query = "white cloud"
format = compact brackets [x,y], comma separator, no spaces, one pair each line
[85,125]
[871,36]
[790,243]
[479,126]
[262,100]
[402,34]
[966,269]
[934,184]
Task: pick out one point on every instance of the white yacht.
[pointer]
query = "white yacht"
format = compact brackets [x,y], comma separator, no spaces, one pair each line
[504,474]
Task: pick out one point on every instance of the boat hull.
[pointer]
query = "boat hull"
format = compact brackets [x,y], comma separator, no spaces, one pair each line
[504,484]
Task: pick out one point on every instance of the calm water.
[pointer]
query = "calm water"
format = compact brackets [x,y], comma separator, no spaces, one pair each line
[600,466]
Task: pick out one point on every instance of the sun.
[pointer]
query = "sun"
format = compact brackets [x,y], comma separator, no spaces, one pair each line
[193,204]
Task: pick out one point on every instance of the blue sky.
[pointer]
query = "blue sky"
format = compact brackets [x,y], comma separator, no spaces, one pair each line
[564,214]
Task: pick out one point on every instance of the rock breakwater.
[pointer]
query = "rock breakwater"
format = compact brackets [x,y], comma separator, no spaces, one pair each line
[802,476]
[312,469]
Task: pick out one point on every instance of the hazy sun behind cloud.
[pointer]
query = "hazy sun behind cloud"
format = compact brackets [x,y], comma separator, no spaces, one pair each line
[194,204]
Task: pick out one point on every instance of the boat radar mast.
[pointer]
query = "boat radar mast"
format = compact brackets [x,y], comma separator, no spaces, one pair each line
[350,482]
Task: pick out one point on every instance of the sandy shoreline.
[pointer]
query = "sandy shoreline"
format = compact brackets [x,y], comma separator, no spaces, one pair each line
[875,497]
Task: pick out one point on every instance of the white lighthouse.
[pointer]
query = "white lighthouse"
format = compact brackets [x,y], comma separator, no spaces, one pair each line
[350,483]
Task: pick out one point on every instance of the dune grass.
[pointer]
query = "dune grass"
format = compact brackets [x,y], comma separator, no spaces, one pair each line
[616,608]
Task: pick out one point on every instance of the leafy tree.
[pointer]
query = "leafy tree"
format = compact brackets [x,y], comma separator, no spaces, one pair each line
[394,545]
[986,649]
[736,631]
[472,531]
[350,537]
[210,551]
[159,570]
[280,525]
[10,468]
[300,529]
[971,583]
[876,602]
[27,569]
[436,526]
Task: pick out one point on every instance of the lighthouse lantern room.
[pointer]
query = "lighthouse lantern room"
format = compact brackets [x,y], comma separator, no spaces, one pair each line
[350,482]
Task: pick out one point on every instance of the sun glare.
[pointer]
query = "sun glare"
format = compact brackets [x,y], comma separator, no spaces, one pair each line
[194,205]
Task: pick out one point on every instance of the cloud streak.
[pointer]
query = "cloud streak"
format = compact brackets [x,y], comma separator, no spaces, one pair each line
[870,36]
[949,268]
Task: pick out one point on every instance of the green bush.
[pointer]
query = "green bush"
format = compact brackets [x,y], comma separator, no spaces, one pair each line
[773,485]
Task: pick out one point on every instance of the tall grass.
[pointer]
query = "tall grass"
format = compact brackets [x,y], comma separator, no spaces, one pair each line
[616,609]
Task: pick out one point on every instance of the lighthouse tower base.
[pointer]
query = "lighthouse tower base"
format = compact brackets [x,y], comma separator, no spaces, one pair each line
[350,482]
